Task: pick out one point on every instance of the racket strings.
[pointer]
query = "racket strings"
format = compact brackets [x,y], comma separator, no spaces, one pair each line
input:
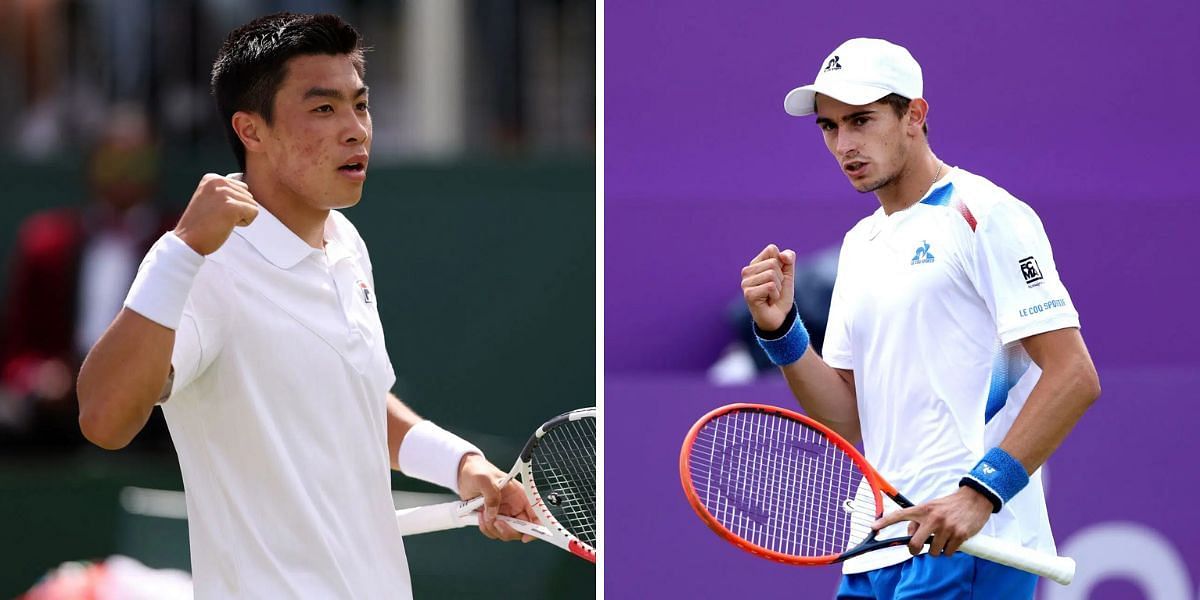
[778,483]
[564,473]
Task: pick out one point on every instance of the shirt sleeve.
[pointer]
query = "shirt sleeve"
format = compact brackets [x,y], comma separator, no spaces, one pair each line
[836,349]
[202,329]
[1015,274]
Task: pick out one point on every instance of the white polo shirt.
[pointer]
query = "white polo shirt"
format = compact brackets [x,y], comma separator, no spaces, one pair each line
[278,414]
[929,308]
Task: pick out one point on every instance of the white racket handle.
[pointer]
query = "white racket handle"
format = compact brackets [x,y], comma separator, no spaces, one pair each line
[1060,569]
[453,515]
[436,517]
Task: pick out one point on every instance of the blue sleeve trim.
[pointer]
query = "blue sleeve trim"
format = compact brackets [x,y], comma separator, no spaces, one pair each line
[1008,366]
[790,347]
[998,476]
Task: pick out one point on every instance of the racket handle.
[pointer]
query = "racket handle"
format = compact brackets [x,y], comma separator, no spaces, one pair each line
[1061,569]
[437,517]
[452,515]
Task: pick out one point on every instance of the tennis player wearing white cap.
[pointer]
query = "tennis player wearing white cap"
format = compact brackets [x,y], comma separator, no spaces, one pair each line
[953,350]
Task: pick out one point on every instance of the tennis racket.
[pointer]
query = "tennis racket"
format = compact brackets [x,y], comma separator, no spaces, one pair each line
[558,472]
[782,486]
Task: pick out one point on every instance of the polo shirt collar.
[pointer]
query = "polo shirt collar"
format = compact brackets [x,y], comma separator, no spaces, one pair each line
[274,240]
[338,245]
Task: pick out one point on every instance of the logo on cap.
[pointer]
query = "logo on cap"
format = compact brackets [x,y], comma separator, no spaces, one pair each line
[833,64]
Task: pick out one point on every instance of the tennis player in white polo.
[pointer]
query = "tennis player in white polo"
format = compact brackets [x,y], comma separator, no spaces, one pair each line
[949,323]
[256,324]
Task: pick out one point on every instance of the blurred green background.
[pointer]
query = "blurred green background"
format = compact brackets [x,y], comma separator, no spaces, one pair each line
[485,274]
[479,213]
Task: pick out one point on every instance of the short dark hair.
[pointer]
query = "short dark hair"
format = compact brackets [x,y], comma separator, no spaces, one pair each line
[252,63]
[899,105]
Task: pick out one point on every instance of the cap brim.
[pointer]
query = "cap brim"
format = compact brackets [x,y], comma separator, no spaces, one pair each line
[803,100]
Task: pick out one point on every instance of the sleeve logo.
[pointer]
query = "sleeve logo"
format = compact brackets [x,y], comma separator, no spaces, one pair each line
[1030,271]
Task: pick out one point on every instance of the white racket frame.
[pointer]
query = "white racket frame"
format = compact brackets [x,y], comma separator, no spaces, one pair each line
[463,513]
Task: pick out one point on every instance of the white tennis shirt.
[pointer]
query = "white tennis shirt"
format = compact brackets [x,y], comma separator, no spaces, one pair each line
[278,414]
[929,308]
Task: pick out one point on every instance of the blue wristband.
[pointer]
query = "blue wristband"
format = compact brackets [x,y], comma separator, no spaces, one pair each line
[998,476]
[788,348]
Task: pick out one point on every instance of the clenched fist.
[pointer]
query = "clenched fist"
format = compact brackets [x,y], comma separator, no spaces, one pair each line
[219,205]
[768,284]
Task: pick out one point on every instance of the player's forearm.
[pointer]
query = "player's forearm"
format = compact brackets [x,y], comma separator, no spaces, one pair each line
[400,418]
[419,448]
[825,394]
[122,378]
[1066,389]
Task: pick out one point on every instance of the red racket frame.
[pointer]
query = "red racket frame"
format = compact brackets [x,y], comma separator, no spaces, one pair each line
[879,486]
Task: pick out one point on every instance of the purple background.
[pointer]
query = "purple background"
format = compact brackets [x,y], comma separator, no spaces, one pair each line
[1083,109]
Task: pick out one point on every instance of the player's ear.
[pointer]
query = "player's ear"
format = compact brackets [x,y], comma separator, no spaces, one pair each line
[918,111]
[250,129]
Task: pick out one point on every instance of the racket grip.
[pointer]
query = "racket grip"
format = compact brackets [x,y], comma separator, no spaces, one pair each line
[1060,569]
[438,517]
[453,515]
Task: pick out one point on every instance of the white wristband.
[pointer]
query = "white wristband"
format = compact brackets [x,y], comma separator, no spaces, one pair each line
[432,454]
[164,280]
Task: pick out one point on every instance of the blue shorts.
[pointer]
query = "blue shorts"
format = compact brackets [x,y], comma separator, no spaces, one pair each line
[939,577]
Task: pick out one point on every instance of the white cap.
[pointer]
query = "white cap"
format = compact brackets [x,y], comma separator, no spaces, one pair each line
[859,72]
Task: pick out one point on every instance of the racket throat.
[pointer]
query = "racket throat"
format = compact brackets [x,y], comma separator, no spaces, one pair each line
[871,544]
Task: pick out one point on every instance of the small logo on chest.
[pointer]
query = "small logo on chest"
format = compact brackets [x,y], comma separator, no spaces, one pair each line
[923,255]
[365,290]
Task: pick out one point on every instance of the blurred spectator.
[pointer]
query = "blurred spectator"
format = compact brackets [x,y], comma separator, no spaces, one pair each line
[521,78]
[743,360]
[31,34]
[70,271]
[117,578]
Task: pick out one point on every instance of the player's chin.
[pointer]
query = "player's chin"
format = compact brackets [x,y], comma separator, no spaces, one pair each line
[864,186]
[345,196]
[352,200]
